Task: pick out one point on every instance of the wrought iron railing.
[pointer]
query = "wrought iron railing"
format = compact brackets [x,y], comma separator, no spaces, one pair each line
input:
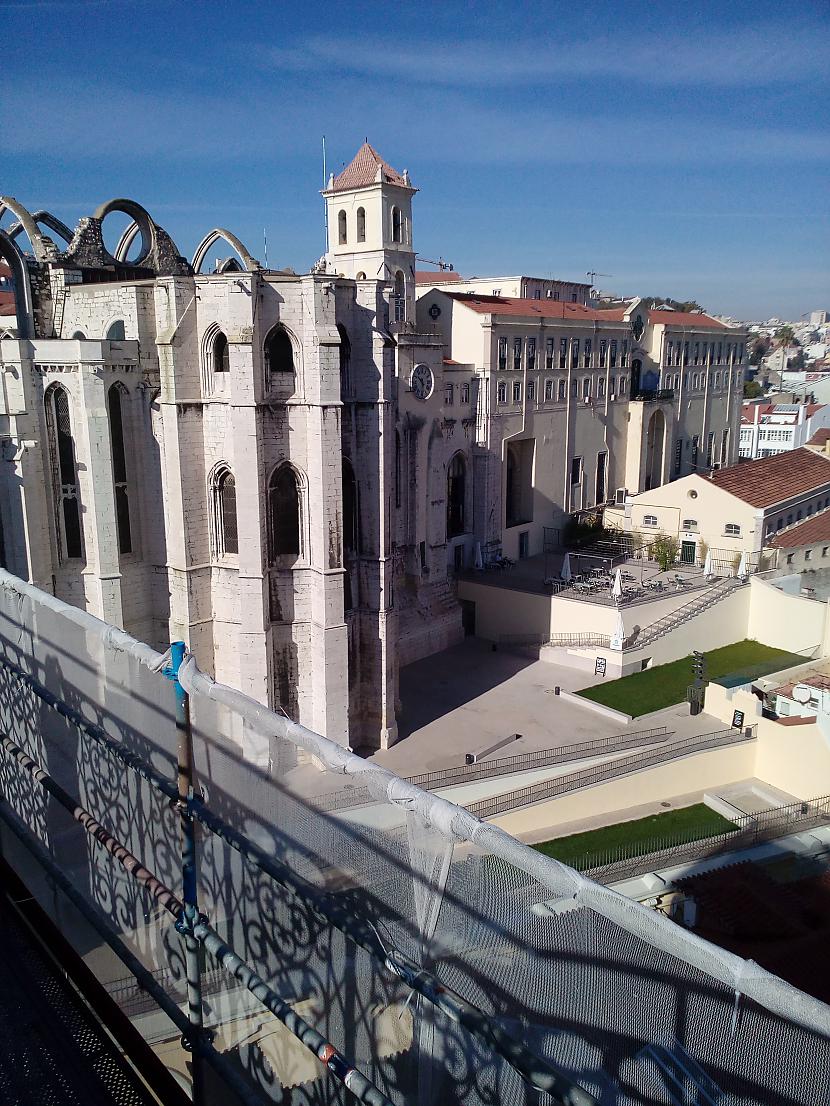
[599,773]
[506,766]
[749,830]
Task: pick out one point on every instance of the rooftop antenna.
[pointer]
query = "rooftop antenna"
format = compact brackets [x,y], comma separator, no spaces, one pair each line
[325,203]
[265,246]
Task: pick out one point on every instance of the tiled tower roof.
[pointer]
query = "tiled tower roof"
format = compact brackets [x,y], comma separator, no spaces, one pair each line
[362,170]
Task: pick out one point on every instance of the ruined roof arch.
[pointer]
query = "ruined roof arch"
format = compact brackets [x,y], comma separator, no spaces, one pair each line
[217,234]
[42,246]
[46,219]
[23,302]
[141,221]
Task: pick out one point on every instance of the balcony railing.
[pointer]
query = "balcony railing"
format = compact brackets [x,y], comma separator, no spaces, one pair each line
[654,395]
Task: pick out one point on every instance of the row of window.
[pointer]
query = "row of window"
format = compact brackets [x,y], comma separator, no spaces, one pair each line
[463,394]
[717,380]
[730,530]
[278,361]
[702,353]
[693,451]
[784,434]
[556,391]
[600,477]
[397,226]
[569,351]
[797,516]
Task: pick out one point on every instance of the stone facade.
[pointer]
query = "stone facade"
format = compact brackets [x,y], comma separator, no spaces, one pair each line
[286,470]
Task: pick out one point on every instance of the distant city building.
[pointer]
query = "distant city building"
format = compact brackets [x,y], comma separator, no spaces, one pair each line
[511,287]
[770,428]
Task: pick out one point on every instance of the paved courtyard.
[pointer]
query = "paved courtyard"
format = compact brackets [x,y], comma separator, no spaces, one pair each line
[468,697]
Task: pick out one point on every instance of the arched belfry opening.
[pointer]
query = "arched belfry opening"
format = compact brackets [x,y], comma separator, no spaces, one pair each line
[655,449]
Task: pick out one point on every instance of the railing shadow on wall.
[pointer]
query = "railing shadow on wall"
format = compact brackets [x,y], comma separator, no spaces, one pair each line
[485,938]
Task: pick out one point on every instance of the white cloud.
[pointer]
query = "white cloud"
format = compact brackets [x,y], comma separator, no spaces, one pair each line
[761,55]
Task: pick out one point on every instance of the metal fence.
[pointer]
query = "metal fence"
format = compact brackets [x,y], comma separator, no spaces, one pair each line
[506,766]
[750,830]
[599,773]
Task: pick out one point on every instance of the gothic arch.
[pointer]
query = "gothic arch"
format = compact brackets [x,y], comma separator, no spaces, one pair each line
[46,219]
[287,499]
[142,221]
[219,233]
[224,519]
[23,302]
[457,495]
[42,246]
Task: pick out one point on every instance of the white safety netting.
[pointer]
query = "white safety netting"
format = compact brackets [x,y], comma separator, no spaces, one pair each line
[608,991]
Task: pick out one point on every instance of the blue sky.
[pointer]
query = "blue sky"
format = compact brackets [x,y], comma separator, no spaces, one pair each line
[683,149]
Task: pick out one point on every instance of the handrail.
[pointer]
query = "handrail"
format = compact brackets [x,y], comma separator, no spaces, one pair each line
[599,773]
[539,1073]
[506,766]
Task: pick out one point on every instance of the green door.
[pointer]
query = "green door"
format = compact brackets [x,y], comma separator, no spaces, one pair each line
[687,553]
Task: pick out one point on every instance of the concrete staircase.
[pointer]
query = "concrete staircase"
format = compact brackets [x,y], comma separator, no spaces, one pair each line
[687,612]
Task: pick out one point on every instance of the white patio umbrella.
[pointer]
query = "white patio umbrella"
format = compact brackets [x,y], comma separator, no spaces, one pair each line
[617,586]
[565,572]
[707,564]
[743,567]
[479,561]
[618,636]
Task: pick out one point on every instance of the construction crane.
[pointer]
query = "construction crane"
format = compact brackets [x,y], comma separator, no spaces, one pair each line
[592,273]
[443,265]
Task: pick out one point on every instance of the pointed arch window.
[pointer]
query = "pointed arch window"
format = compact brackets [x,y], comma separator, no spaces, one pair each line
[225,526]
[351,522]
[284,530]
[456,488]
[345,362]
[221,354]
[361,225]
[400,297]
[279,355]
[115,405]
[342,237]
[397,224]
[64,474]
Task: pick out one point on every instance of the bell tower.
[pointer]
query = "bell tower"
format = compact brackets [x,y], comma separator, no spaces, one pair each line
[369,212]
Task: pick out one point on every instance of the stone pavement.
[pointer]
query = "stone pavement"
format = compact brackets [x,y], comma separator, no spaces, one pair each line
[467,697]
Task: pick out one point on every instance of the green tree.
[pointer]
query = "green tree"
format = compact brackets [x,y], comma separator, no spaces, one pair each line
[752,389]
[664,550]
[760,349]
[785,334]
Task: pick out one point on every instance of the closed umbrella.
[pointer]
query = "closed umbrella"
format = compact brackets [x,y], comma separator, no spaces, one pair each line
[707,564]
[618,636]
[617,586]
[743,567]
[566,567]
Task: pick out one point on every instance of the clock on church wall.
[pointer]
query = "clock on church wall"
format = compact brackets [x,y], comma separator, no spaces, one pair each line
[422,382]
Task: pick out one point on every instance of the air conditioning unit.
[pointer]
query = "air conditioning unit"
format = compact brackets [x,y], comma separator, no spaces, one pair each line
[549,293]
[612,396]
[715,465]
[586,399]
[619,497]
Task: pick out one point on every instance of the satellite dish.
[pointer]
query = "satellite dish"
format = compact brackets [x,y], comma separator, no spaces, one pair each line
[802,693]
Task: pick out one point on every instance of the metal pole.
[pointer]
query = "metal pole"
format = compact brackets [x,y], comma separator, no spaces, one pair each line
[189,917]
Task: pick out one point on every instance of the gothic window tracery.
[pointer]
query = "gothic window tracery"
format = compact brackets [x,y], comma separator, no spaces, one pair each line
[225,526]
[284,529]
[64,474]
[115,403]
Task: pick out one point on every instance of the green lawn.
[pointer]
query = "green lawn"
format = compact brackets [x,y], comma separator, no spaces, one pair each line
[666,684]
[637,838]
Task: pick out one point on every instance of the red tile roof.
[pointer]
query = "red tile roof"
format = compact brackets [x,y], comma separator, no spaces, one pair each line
[424,277]
[362,170]
[771,480]
[687,319]
[821,437]
[811,530]
[548,309]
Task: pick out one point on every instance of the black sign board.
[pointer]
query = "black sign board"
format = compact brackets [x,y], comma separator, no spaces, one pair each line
[737,719]
[599,667]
